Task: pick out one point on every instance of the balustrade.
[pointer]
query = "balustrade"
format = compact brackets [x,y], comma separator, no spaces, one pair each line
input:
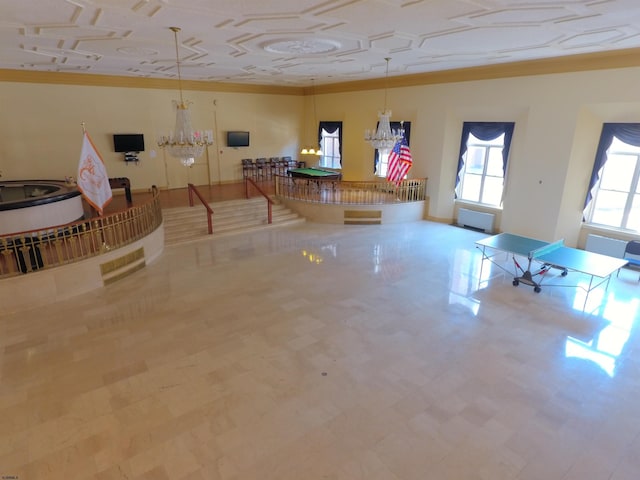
[26,252]
[349,192]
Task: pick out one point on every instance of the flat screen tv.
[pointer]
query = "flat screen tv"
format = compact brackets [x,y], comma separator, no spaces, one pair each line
[237,139]
[128,142]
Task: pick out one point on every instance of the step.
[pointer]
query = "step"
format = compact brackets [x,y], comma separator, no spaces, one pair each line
[189,224]
[191,227]
[200,233]
[223,218]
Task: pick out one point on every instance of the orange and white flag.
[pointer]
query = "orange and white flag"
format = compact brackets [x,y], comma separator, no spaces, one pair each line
[93,180]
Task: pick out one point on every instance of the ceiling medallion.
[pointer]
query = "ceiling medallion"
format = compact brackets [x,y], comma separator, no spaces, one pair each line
[302,46]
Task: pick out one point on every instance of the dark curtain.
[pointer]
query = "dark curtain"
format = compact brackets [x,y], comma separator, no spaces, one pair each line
[627,132]
[331,127]
[394,126]
[485,131]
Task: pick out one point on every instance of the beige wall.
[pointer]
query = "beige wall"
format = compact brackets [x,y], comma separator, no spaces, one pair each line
[42,135]
[558,121]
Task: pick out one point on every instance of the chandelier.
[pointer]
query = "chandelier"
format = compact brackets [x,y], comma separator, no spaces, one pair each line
[311,150]
[383,138]
[184,143]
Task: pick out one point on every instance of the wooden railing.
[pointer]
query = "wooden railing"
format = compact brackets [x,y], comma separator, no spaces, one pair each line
[30,251]
[248,181]
[347,192]
[192,189]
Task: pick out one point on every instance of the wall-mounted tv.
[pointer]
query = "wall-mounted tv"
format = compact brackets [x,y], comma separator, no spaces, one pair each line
[237,139]
[128,142]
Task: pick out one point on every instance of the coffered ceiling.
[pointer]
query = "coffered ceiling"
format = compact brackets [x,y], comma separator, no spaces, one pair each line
[300,42]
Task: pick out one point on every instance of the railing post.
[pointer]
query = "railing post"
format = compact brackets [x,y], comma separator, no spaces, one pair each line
[192,189]
[261,192]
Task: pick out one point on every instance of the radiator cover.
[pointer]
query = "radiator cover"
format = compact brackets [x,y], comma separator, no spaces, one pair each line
[605,245]
[474,219]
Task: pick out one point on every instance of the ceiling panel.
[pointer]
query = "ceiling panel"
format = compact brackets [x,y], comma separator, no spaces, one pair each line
[303,42]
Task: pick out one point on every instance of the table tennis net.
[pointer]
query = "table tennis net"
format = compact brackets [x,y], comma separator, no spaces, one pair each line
[546,249]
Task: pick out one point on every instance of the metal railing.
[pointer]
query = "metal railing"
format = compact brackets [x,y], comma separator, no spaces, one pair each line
[248,181]
[347,192]
[192,189]
[34,250]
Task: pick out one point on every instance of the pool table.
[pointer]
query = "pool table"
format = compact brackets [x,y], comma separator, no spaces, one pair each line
[314,173]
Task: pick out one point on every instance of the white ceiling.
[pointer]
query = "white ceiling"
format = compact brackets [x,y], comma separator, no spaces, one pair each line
[300,42]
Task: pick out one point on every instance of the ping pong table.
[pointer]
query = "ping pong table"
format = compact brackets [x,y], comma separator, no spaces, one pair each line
[544,256]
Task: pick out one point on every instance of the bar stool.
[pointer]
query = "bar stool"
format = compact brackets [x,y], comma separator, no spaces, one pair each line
[284,165]
[273,166]
[261,164]
[248,167]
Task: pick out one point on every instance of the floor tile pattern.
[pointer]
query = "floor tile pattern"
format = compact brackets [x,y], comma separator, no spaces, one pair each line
[382,352]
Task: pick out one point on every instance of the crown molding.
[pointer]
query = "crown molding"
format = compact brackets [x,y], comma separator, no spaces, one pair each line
[609,60]
[95,80]
[626,58]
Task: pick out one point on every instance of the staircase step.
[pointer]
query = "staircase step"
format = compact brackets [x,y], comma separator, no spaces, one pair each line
[188,224]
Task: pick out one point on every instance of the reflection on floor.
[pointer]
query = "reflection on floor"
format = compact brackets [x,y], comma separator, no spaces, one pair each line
[325,352]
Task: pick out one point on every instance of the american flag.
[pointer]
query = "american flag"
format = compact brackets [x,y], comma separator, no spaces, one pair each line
[400,161]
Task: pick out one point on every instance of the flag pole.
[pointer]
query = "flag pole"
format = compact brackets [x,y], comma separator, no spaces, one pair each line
[103,246]
[93,209]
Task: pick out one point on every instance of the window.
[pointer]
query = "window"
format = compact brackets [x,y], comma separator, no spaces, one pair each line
[330,144]
[482,176]
[381,159]
[614,195]
[482,164]
[330,140]
[383,163]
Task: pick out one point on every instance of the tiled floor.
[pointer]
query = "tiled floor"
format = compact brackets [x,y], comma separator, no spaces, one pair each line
[325,352]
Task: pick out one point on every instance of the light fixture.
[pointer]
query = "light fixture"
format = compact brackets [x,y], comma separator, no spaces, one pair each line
[184,143]
[383,138]
[311,150]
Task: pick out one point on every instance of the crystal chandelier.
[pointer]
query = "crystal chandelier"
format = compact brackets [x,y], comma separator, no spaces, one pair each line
[311,150]
[184,143]
[383,138]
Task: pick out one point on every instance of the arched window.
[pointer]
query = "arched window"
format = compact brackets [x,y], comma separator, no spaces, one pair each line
[482,163]
[613,197]
[330,140]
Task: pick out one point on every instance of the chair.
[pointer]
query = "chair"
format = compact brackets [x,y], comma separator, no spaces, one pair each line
[261,167]
[632,255]
[284,165]
[289,162]
[274,168]
[248,168]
